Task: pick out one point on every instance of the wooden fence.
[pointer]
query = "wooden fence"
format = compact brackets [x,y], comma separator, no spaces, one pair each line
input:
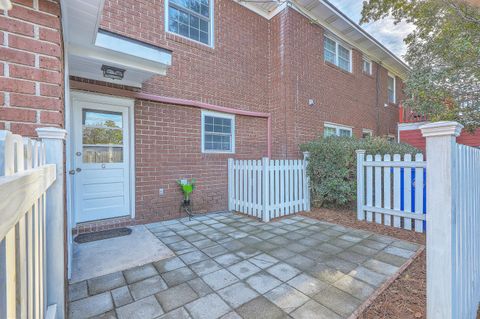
[268,189]
[390,190]
[24,180]
[453,220]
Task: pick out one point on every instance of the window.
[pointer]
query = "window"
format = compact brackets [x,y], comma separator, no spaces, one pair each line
[367,66]
[391,89]
[337,54]
[336,130]
[102,136]
[218,133]
[191,19]
[366,133]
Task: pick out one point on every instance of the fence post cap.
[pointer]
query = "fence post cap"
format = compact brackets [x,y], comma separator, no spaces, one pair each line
[360,151]
[306,154]
[51,133]
[443,128]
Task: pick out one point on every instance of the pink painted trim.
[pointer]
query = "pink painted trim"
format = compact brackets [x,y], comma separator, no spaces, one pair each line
[176,101]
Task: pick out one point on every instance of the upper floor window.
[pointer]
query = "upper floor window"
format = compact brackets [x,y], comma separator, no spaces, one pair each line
[391,89]
[336,130]
[367,66]
[218,132]
[337,54]
[191,19]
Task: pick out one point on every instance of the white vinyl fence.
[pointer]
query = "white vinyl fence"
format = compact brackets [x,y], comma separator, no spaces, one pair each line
[453,220]
[268,188]
[24,180]
[390,190]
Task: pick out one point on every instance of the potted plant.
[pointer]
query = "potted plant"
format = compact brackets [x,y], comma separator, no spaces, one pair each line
[187,188]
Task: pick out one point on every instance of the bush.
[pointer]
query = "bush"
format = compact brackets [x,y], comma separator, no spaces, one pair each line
[332,167]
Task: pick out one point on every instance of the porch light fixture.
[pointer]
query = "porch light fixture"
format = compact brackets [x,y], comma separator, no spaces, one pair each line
[112,72]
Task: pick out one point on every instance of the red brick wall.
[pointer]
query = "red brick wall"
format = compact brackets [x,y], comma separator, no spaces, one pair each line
[415,138]
[167,148]
[31,67]
[256,64]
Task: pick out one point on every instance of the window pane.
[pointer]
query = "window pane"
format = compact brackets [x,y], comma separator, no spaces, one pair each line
[343,132]
[102,118]
[366,67]
[329,131]
[343,58]
[329,50]
[194,5]
[391,89]
[217,133]
[187,24]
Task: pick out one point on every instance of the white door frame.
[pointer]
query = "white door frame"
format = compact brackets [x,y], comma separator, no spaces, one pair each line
[110,100]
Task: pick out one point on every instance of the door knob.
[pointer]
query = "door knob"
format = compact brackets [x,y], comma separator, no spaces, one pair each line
[78,169]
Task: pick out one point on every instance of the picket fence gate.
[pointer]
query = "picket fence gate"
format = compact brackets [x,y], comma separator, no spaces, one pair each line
[25,278]
[391,192]
[268,189]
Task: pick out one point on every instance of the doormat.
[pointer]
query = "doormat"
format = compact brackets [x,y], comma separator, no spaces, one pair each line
[103,234]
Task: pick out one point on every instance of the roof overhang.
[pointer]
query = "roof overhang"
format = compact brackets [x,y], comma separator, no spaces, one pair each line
[336,23]
[88,48]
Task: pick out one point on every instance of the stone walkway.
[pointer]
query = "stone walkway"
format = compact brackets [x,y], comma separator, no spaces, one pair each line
[230,266]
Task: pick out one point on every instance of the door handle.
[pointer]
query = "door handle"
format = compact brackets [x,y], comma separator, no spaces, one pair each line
[71,172]
[78,169]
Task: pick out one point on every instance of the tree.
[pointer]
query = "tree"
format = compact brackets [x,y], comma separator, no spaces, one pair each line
[443,53]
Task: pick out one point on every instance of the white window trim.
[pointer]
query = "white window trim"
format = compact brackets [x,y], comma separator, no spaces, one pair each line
[222,115]
[338,127]
[370,63]
[368,131]
[337,43]
[211,37]
[390,75]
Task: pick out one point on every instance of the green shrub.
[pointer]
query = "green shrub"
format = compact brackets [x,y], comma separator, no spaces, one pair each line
[332,167]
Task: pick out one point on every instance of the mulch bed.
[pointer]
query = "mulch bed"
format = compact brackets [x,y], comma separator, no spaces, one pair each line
[405,298]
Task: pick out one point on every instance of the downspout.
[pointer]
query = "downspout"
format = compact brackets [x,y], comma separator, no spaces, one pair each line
[176,101]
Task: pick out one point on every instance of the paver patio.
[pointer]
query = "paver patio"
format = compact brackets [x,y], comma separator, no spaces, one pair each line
[231,266]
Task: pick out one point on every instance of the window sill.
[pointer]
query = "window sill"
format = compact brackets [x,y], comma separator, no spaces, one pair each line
[337,68]
[368,75]
[186,41]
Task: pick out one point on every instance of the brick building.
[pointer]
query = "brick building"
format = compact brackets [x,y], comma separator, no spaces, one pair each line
[158,91]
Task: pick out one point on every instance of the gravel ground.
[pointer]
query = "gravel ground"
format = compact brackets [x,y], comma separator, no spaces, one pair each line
[405,298]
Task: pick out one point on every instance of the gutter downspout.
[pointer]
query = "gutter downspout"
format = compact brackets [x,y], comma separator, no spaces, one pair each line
[176,101]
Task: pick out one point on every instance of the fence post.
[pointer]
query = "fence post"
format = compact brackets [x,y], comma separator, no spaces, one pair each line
[266,189]
[230,184]
[360,184]
[306,181]
[441,162]
[56,238]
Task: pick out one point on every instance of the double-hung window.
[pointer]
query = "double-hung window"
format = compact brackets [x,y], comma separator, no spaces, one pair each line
[336,130]
[367,66]
[190,18]
[337,54]
[391,89]
[218,132]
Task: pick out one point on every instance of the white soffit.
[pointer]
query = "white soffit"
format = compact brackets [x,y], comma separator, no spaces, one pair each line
[336,23]
[88,49]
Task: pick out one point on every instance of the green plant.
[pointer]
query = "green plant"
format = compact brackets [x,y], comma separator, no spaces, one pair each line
[187,188]
[332,166]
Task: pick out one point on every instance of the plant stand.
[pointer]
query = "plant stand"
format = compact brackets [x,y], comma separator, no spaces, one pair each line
[187,207]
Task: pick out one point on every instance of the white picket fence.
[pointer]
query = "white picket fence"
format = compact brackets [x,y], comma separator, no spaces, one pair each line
[453,221]
[390,192]
[268,189]
[24,180]
[467,231]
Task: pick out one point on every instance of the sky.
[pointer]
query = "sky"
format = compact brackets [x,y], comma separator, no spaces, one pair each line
[390,35]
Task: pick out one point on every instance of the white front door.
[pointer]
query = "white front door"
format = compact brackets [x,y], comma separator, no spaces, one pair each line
[101,159]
